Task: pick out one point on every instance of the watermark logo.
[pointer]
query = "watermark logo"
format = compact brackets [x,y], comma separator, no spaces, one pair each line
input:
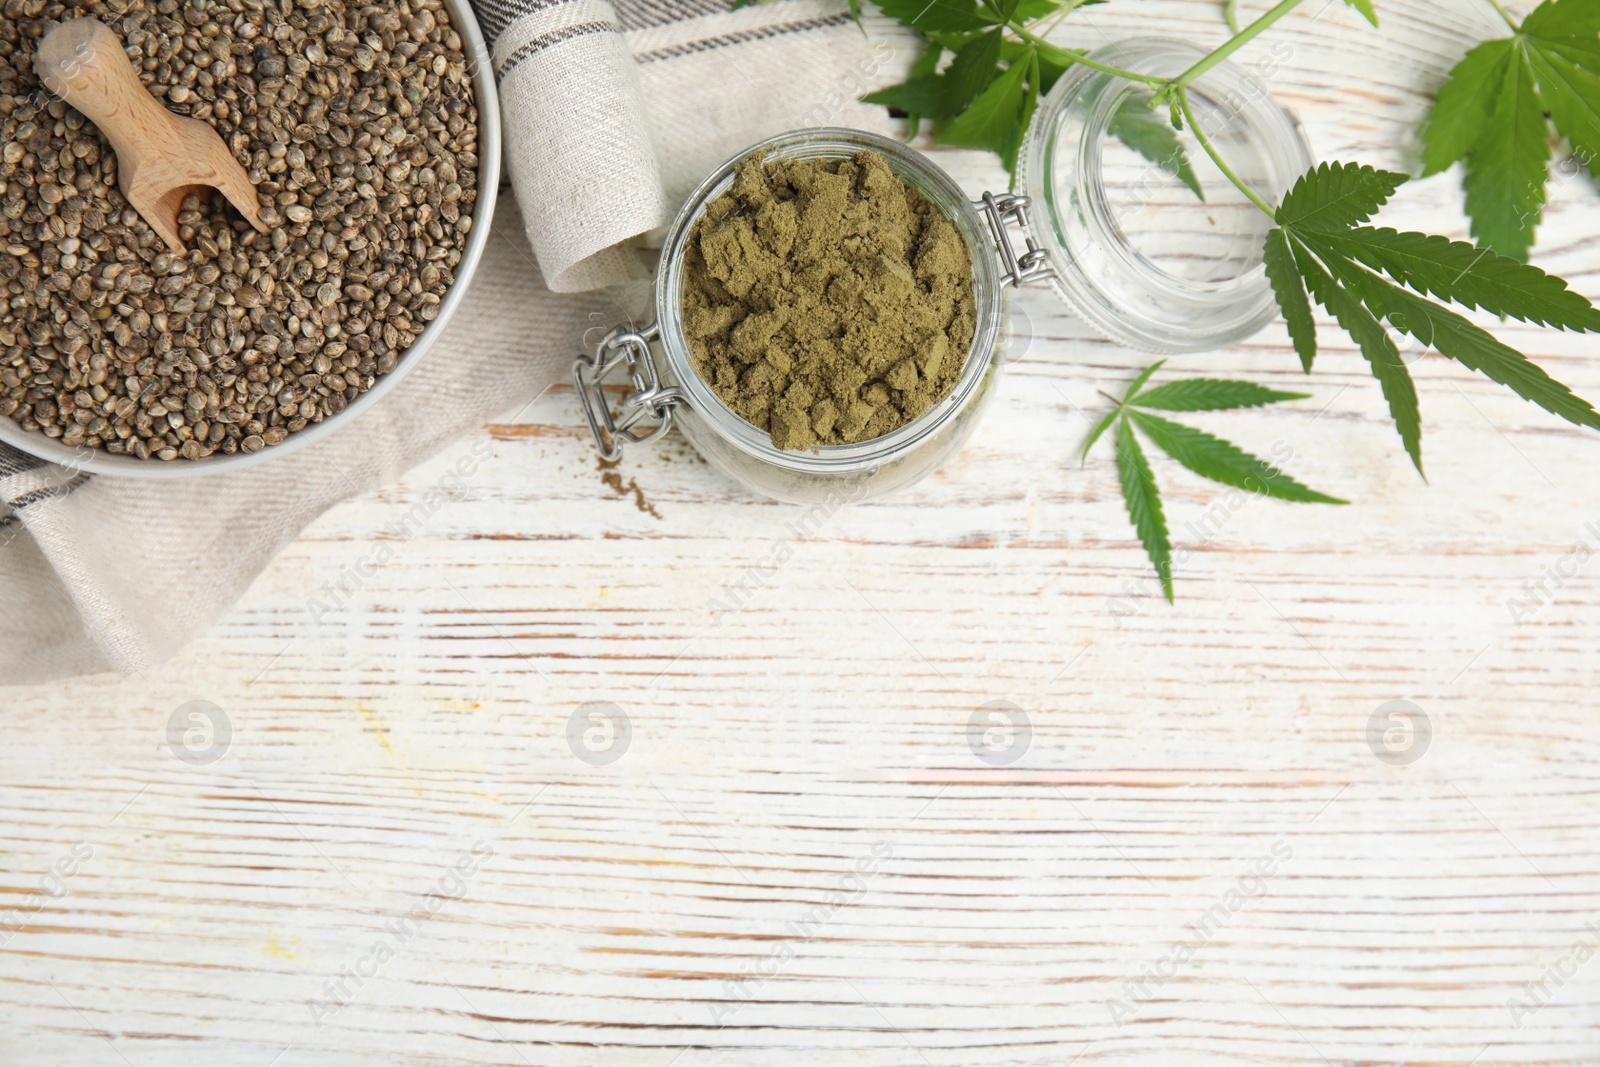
[451,487]
[851,85]
[1538,993]
[1137,992]
[1399,733]
[199,732]
[450,886]
[53,885]
[1553,577]
[1406,345]
[599,733]
[1016,334]
[848,888]
[1201,532]
[999,733]
[736,595]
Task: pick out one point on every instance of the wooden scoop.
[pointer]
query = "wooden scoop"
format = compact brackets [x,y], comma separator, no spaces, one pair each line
[161,157]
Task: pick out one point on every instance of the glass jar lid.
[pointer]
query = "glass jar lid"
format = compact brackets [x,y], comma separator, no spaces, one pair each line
[1150,243]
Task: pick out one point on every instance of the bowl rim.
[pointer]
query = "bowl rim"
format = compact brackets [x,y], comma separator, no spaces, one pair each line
[83,459]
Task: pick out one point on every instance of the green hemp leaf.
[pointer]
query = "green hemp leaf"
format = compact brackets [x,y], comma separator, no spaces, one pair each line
[1366,276]
[1151,135]
[986,95]
[940,16]
[1492,111]
[1366,9]
[1377,283]
[1208,456]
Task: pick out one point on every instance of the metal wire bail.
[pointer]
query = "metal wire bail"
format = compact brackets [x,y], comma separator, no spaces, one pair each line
[999,211]
[649,400]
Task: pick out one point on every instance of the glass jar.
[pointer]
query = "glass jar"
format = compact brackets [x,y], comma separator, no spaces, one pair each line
[1135,253]
[1076,232]
[668,392]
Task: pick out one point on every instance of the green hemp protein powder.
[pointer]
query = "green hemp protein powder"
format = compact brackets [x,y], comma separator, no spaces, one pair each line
[826,301]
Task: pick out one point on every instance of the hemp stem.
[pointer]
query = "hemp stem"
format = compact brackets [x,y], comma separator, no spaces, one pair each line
[1064,57]
[1514,27]
[1233,44]
[1052,21]
[1205,142]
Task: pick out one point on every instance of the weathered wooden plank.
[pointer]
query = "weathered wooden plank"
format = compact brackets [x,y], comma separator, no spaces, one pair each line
[698,900]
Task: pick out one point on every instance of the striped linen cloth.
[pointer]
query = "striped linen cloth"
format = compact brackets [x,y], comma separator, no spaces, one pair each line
[611,115]
[613,112]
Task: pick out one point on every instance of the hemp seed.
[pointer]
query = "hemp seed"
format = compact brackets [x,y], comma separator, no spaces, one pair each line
[341,115]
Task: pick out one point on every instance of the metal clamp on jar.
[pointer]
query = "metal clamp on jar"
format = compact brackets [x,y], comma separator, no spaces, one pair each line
[1073,236]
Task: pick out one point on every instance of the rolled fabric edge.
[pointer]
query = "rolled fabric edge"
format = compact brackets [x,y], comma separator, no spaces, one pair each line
[578,142]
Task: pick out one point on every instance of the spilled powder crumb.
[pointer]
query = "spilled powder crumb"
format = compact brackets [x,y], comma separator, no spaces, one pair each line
[613,481]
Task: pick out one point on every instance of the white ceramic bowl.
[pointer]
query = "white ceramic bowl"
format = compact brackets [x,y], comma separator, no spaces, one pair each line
[96,461]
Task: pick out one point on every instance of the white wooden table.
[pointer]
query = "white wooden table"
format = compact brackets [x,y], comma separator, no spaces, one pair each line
[798,858]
